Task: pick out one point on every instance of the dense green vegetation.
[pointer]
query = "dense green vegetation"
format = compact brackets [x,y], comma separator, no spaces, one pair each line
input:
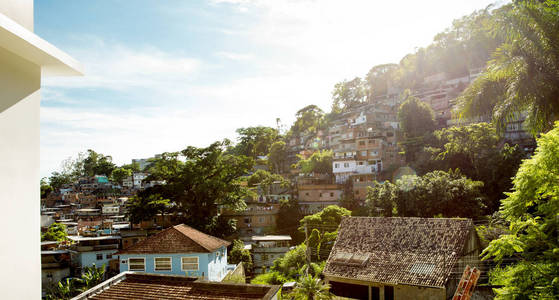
[55,232]
[523,75]
[532,209]
[198,182]
[72,287]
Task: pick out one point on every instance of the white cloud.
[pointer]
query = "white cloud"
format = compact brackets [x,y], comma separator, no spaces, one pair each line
[234,56]
[119,67]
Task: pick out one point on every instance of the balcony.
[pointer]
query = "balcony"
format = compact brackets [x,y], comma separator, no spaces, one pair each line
[256,249]
[96,248]
[366,169]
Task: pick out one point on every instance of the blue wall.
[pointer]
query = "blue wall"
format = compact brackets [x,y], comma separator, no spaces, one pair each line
[87,259]
[210,266]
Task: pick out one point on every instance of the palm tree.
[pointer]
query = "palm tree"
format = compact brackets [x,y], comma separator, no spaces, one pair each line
[311,288]
[523,76]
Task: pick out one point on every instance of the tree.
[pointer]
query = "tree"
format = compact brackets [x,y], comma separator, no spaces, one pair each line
[255,141]
[239,254]
[97,164]
[55,232]
[531,208]
[449,194]
[57,180]
[119,174]
[322,228]
[145,207]
[319,162]
[523,77]
[199,182]
[417,121]
[470,148]
[288,219]
[348,94]
[277,157]
[380,78]
[309,120]
[46,188]
[311,288]
[264,180]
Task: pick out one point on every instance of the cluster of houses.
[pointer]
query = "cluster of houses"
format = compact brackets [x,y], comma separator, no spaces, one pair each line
[372,258]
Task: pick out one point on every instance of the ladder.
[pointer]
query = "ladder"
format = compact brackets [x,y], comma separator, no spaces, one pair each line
[467,284]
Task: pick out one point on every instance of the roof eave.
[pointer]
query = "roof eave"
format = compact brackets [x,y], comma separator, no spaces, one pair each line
[333,277]
[24,43]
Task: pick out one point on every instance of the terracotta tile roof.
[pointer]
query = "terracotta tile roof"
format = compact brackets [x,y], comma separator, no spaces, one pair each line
[177,239]
[413,251]
[130,285]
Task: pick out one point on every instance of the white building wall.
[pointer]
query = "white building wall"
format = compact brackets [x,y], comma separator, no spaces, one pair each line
[343,166]
[23,58]
[19,175]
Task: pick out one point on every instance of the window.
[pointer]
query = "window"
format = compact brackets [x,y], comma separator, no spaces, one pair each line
[99,256]
[162,263]
[388,292]
[190,263]
[247,220]
[331,194]
[109,256]
[306,194]
[137,264]
[360,163]
[346,165]
[336,166]
[361,143]
[320,195]
[363,153]
[261,219]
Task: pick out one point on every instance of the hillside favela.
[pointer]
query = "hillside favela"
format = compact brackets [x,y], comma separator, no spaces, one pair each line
[280,149]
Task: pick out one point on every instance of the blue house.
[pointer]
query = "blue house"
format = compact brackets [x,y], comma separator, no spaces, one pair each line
[178,250]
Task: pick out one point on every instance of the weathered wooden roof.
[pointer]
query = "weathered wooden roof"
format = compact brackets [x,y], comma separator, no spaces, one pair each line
[413,251]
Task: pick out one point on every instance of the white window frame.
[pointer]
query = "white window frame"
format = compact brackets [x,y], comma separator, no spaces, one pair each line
[130,265]
[197,263]
[170,264]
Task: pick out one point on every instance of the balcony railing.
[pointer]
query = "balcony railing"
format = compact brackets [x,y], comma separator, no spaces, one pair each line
[96,247]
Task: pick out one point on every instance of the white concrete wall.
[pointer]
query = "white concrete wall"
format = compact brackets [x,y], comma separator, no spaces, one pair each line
[19,167]
[19,177]
[20,11]
[343,166]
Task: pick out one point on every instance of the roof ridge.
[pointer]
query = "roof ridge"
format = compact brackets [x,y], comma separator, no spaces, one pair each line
[196,240]
[142,242]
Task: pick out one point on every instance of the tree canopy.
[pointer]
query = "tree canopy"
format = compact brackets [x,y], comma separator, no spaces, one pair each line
[319,162]
[199,180]
[348,94]
[532,209]
[255,141]
[55,232]
[447,194]
[470,148]
[309,120]
[417,121]
[277,157]
[523,76]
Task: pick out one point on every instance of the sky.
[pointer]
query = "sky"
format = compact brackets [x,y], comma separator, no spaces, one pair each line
[163,75]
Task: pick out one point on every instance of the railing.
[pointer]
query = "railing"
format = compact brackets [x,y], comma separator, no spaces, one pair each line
[96,247]
[270,249]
